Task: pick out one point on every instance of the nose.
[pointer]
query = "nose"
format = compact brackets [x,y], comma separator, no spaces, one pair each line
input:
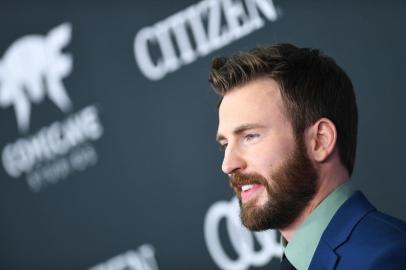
[233,161]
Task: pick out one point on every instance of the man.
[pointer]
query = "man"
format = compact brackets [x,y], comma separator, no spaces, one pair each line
[288,127]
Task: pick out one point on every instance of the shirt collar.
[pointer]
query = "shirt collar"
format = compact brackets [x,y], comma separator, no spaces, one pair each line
[300,249]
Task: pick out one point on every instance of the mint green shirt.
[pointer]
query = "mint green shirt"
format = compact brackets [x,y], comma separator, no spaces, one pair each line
[300,249]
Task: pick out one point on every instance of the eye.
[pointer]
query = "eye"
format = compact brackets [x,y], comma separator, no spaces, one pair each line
[222,147]
[251,136]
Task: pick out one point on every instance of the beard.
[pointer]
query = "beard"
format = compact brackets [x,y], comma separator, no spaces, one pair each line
[291,187]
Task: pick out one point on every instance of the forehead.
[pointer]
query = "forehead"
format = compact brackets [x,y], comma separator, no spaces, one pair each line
[257,102]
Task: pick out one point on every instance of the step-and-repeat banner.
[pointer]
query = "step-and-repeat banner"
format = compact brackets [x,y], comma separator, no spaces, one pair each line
[108,157]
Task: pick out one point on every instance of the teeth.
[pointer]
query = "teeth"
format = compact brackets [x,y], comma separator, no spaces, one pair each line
[246,187]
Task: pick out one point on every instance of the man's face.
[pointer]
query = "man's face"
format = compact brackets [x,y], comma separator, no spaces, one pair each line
[268,166]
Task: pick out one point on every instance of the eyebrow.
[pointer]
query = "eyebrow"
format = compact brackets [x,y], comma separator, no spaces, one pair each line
[238,130]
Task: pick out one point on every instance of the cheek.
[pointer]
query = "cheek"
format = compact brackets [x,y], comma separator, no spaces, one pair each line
[268,157]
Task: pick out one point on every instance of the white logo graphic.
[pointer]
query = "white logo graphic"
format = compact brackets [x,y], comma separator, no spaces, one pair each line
[27,64]
[197,31]
[241,239]
[31,69]
[142,259]
[55,151]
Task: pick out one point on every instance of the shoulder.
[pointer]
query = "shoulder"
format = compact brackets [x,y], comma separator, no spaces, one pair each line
[391,256]
[357,217]
[378,241]
[379,229]
[381,221]
[360,237]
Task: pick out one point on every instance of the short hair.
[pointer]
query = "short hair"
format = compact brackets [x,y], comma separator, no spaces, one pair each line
[312,86]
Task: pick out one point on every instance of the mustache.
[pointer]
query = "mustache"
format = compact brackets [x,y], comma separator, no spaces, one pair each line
[236,180]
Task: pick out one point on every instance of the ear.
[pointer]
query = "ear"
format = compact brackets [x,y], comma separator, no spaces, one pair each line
[322,136]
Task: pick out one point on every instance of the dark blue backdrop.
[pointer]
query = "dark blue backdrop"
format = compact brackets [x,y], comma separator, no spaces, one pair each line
[112,162]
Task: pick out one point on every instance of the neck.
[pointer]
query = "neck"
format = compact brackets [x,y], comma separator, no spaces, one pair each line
[328,182]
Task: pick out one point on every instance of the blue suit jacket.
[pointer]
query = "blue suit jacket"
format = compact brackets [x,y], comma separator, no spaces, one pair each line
[360,237]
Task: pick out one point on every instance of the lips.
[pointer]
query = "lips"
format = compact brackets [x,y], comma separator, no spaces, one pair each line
[247,186]
[249,191]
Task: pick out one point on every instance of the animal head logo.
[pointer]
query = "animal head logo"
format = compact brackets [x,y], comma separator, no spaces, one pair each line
[31,69]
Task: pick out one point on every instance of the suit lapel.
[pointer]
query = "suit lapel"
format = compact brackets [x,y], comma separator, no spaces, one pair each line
[326,257]
[339,230]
